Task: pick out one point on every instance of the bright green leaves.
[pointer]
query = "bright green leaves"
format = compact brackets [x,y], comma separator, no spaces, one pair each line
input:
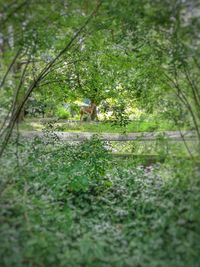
[81,167]
[89,166]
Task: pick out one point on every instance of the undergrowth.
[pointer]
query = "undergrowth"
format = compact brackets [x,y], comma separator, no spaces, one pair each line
[72,205]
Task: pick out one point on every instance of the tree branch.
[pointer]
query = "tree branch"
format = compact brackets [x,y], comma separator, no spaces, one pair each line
[10,66]
[39,78]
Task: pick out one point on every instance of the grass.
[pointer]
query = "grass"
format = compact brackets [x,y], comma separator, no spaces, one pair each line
[102,127]
[162,148]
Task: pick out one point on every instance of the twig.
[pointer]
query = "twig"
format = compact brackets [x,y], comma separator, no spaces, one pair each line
[186,145]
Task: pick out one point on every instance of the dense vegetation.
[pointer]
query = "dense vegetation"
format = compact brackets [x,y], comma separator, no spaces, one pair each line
[101,67]
[76,206]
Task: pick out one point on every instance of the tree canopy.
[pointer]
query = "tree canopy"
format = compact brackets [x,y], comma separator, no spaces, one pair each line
[142,52]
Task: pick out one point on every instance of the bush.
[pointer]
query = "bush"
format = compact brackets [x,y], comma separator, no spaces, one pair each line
[62,113]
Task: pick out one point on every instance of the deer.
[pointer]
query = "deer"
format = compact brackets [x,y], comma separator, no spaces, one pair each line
[90,112]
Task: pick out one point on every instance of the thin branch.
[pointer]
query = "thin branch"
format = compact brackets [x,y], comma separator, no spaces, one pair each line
[181,96]
[56,66]
[186,145]
[55,81]
[187,104]
[12,108]
[40,77]
[10,66]
[194,88]
[20,84]
[86,34]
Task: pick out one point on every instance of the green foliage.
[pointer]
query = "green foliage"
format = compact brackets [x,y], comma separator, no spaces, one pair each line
[143,125]
[127,215]
[69,205]
[62,113]
[120,117]
[89,162]
[131,58]
[83,167]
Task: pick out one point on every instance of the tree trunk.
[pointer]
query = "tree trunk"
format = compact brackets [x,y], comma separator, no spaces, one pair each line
[21,116]
[94,112]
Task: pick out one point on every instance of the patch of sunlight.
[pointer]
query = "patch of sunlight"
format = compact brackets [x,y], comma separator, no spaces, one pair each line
[37,126]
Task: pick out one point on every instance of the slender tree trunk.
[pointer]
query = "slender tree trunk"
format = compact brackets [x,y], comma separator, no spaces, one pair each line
[21,116]
[94,112]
